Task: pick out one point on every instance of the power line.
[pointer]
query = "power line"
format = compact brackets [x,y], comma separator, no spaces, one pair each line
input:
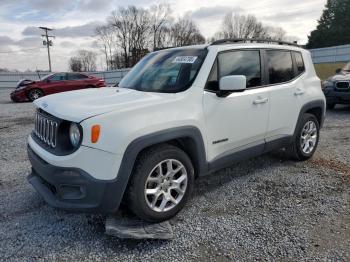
[18,51]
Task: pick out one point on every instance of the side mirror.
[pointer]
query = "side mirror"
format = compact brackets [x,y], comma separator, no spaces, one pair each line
[227,84]
[48,80]
[338,71]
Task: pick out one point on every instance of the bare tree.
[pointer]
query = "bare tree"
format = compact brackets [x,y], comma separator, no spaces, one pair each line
[247,26]
[122,23]
[131,32]
[75,64]
[88,60]
[240,26]
[107,40]
[160,16]
[185,32]
[84,61]
[140,39]
[276,33]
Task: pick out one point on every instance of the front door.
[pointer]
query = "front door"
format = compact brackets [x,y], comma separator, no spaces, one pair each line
[239,121]
[56,83]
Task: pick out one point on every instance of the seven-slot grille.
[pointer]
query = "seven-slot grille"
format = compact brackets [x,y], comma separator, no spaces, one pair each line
[46,129]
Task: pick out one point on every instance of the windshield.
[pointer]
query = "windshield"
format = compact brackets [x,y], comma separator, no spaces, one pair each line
[47,76]
[168,71]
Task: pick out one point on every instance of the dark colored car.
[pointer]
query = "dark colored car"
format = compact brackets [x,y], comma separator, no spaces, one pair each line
[337,88]
[54,83]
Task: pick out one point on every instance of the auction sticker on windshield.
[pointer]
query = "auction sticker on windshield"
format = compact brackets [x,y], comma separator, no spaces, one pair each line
[185,59]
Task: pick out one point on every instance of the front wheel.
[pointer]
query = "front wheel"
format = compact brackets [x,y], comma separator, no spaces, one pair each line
[161,183]
[305,139]
[34,94]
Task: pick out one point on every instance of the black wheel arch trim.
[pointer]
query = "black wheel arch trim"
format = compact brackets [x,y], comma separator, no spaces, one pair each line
[141,143]
[316,104]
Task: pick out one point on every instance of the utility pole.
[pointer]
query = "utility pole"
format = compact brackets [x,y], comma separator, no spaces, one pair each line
[47,42]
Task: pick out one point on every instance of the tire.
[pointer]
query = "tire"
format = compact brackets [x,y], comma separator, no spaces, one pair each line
[150,173]
[330,106]
[34,94]
[312,132]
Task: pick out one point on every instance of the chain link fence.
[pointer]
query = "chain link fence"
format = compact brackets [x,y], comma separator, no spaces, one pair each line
[331,54]
[10,80]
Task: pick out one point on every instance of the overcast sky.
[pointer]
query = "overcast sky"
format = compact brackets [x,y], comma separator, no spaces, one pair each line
[74,22]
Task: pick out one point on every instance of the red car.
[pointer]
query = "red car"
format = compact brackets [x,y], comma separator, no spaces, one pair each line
[54,83]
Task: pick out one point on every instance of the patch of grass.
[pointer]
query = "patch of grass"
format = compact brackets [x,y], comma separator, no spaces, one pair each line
[327,70]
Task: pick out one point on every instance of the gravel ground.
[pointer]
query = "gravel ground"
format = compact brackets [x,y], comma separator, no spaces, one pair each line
[268,208]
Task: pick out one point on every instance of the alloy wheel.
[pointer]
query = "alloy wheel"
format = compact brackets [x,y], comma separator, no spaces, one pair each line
[309,137]
[35,94]
[166,185]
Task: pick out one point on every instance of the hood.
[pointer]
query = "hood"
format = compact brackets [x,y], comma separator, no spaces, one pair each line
[24,82]
[79,105]
[340,77]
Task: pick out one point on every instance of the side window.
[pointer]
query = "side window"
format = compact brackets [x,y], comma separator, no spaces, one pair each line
[74,76]
[299,63]
[80,76]
[58,77]
[280,66]
[245,63]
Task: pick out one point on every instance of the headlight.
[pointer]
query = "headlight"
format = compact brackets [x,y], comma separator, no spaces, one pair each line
[326,84]
[21,87]
[74,134]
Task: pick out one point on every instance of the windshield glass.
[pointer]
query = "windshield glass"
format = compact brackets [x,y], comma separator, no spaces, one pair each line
[46,77]
[347,68]
[168,71]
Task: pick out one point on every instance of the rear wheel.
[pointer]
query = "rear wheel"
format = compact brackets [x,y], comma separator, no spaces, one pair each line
[161,183]
[34,94]
[306,138]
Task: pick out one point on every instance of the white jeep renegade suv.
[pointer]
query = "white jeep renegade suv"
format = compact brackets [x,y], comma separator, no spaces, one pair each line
[178,114]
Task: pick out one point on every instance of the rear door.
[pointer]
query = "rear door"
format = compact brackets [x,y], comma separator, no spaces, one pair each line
[285,78]
[76,81]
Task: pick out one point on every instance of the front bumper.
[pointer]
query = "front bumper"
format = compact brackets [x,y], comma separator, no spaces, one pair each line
[334,96]
[72,188]
[19,96]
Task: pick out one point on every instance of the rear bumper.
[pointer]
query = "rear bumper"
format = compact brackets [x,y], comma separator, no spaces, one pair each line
[72,188]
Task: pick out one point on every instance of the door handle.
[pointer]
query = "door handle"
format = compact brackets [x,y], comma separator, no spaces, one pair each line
[260,101]
[299,92]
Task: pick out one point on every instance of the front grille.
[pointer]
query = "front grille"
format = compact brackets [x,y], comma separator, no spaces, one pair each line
[342,85]
[46,129]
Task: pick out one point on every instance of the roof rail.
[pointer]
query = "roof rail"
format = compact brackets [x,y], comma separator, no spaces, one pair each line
[162,48]
[252,40]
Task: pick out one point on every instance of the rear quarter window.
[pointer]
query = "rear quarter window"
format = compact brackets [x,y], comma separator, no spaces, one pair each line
[300,66]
